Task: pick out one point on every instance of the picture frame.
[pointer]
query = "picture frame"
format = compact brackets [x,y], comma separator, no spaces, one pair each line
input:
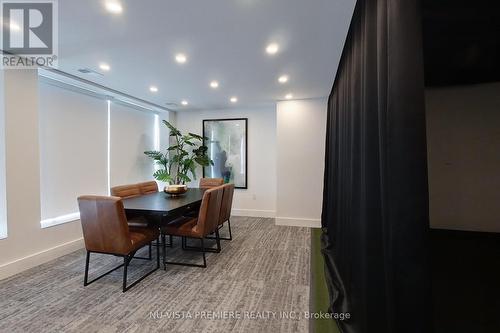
[227,142]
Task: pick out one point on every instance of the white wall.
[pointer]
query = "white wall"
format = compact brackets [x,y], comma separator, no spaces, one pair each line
[463,134]
[3,202]
[301,131]
[27,245]
[260,197]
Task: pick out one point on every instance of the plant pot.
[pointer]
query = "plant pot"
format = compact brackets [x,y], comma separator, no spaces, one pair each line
[175,190]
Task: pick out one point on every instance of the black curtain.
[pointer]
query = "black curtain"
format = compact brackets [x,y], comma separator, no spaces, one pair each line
[375,207]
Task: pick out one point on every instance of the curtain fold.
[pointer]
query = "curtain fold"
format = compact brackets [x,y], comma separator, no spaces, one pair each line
[375,205]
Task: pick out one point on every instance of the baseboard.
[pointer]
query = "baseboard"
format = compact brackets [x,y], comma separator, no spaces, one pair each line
[298,222]
[22,264]
[253,212]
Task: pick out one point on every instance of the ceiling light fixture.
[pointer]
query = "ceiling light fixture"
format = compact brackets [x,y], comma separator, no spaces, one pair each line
[214,84]
[283,79]
[288,96]
[234,99]
[272,48]
[180,58]
[114,7]
[105,67]
[153,89]
[184,102]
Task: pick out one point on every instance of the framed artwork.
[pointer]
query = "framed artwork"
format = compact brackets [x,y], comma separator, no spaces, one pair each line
[227,144]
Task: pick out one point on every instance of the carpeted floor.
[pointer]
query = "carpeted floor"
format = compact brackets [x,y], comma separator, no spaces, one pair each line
[261,279]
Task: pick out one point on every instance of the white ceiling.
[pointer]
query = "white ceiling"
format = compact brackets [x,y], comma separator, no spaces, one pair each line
[224,40]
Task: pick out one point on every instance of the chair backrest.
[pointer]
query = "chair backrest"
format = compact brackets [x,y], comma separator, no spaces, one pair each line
[148,187]
[104,224]
[126,191]
[227,202]
[208,217]
[211,182]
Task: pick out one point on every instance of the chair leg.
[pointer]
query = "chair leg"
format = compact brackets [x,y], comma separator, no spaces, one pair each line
[158,254]
[229,226]
[126,262]
[86,282]
[86,277]
[217,237]
[186,247]
[125,265]
[163,240]
[230,232]
[203,250]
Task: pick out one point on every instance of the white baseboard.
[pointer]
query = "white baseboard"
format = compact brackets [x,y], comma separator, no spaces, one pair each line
[253,212]
[298,222]
[22,264]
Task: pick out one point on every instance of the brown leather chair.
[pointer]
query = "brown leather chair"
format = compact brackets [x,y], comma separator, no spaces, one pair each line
[211,182]
[148,187]
[205,224]
[126,191]
[225,211]
[105,231]
[131,191]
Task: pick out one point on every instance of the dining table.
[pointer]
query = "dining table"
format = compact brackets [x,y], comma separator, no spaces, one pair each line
[163,205]
[161,208]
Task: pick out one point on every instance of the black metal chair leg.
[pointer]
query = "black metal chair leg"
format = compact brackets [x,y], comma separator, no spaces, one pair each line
[186,247]
[163,240]
[217,237]
[229,226]
[158,255]
[150,254]
[86,282]
[230,232]
[126,262]
[86,277]
[203,251]
[125,265]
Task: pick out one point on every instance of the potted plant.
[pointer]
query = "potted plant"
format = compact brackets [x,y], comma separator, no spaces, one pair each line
[178,164]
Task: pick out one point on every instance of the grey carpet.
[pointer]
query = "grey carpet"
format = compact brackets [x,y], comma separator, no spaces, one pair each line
[265,268]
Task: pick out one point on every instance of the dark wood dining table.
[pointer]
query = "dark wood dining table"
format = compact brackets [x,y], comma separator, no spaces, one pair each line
[161,208]
[163,205]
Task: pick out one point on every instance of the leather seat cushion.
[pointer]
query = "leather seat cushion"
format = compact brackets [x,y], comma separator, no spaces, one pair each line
[142,236]
[183,226]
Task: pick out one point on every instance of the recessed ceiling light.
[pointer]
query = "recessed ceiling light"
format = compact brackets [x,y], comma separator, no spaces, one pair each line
[288,96]
[214,84]
[105,67]
[114,7]
[283,79]
[272,48]
[180,58]
[153,89]
[184,102]
[234,99]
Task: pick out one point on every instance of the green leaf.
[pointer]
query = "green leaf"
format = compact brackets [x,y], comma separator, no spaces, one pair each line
[163,176]
[196,136]
[155,155]
[173,131]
